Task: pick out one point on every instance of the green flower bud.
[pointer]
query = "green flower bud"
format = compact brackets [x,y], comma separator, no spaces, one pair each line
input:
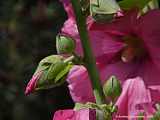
[65,45]
[112,88]
[55,73]
[51,72]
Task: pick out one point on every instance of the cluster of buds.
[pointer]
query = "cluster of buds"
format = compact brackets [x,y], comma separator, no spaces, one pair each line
[52,70]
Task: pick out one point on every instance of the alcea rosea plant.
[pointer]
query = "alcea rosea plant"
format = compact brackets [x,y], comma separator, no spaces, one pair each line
[108,53]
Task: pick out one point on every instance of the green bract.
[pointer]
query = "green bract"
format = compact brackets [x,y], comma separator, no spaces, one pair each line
[103,10]
[112,88]
[54,71]
[129,4]
[65,45]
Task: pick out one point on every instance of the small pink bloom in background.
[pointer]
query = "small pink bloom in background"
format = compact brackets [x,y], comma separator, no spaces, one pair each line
[127,48]
[83,114]
[33,83]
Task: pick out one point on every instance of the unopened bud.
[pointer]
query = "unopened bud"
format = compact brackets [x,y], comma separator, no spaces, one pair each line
[51,72]
[112,88]
[65,44]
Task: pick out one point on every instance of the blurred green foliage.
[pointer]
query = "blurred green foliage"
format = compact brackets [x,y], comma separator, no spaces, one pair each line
[27,34]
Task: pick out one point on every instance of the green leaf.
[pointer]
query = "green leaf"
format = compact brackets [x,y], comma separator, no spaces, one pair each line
[128,4]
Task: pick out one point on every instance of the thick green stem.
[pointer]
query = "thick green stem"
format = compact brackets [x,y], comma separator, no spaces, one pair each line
[88,55]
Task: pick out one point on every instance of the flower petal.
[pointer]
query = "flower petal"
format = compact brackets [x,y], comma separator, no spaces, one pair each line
[149,31]
[32,83]
[120,26]
[68,8]
[83,114]
[79,85]
[121,70]
[135,98]
[101,42]
[150,73]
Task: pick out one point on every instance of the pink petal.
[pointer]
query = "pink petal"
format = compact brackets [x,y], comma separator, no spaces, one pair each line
[150,72]
[68,8]
[155,92]
[121,70]
[101,42]
[149,31]
[79,85]
[83,114]
[70,29]
[32,83]
[135,98]
[121,26]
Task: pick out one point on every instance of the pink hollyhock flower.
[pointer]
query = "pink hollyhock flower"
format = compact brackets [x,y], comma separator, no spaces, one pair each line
[33,83]
[126,48]
[83,114]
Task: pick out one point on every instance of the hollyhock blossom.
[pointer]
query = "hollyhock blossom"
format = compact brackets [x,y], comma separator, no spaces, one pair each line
[128,47]
[83,114]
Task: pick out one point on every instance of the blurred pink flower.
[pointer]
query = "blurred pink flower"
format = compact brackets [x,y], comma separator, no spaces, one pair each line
[33,83]
[83,114]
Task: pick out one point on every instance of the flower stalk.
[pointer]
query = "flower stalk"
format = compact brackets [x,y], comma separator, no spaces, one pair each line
[89,60]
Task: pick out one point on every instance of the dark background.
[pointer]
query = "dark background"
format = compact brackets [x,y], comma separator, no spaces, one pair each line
[27,34]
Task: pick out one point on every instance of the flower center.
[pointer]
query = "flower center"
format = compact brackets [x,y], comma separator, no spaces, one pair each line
[134,49]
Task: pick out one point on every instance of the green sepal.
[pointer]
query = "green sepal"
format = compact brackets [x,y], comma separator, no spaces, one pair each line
[129,4]
[47,61]
[55,69]
[104,6]
[63,72]
[52,59]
